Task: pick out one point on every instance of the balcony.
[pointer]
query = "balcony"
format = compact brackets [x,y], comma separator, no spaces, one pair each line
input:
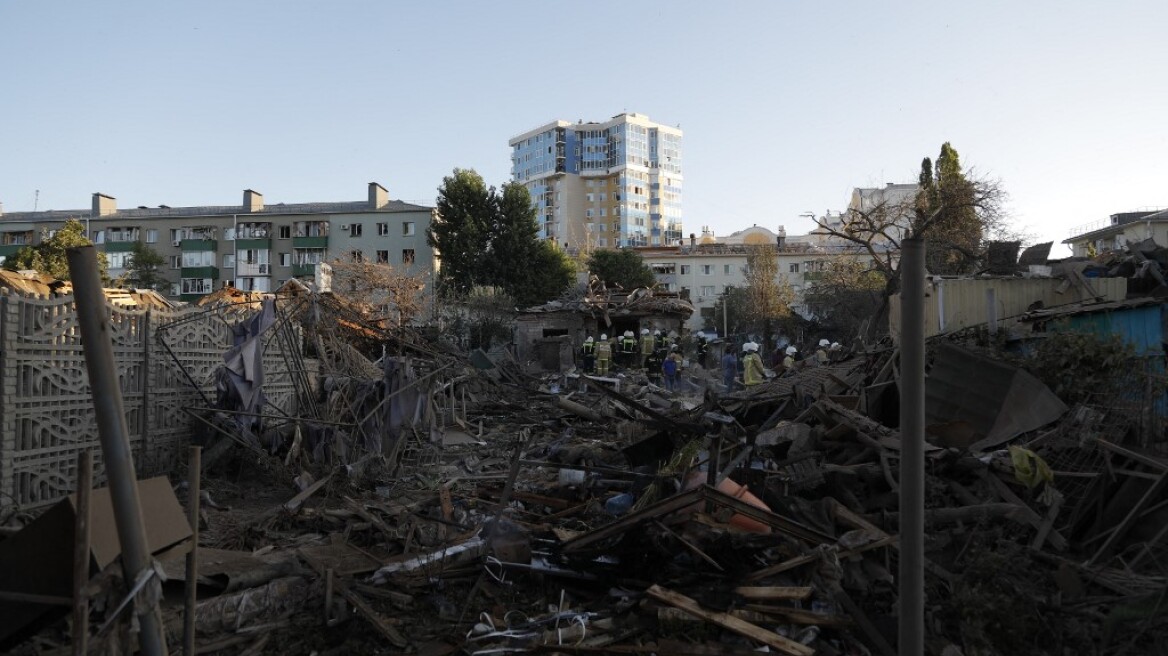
[196,245]
[200,272]
[119,246]
[310,242]
[303,270]
[254,243]
[811,276]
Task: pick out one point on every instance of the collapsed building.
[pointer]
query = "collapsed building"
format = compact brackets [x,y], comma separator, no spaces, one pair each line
[367,487]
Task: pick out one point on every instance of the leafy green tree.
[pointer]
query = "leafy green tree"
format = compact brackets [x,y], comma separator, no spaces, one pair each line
[946,214]
[550,271]
[461,231]
[144,270]
[623,267]
[48,257]
[490,238]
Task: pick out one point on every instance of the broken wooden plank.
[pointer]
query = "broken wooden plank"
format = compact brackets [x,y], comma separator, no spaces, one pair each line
[293,504]
[384,628]
[729,622]
[808,558]
[1031,517]
[772,592]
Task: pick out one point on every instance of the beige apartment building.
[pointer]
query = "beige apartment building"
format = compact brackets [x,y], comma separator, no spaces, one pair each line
[254,246]
[707,266]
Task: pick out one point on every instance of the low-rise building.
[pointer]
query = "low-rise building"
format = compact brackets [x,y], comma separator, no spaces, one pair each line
[253,246]
[705,268]
[1119,230]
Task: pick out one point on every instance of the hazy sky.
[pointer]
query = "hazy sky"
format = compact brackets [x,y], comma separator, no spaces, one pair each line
[785,105]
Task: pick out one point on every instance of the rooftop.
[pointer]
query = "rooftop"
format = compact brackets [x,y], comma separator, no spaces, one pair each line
[279,209]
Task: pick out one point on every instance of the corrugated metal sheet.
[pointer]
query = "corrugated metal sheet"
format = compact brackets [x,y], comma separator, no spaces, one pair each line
[956,304]
[1142,327]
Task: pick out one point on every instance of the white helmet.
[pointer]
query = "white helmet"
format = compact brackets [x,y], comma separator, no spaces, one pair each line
[750,347]
[603,337]
[824,342]
[589,340]
[644,331]
[835,346]
[628,333]
[791,350]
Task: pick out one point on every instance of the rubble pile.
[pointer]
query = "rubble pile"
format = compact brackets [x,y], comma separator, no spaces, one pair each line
[433,503]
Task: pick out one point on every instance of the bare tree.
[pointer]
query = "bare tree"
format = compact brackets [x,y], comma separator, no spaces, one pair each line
[382,292]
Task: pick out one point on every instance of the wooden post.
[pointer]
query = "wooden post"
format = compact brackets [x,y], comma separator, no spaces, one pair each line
[144,415]
[194,481]
[81,553]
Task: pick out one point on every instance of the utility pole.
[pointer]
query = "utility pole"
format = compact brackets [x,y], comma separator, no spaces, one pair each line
[911,574]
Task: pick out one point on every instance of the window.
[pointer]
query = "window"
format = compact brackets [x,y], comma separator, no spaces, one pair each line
[355,230]
[118,260]
[707,269]
[152,236]
[685,269]
[383,257]
[229,260]
[198,259]
[176,261]
[284,232]
[708,290]
[407,256]
[382,229]
[726,270]
[356,256]
[175,289]
[408,228]
[285,259]
[196,285]
[794,268]
[99,237]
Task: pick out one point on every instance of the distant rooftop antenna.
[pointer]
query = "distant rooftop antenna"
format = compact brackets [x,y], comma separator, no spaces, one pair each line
[36,200]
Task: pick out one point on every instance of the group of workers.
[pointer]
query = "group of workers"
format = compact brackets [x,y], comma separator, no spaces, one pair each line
[659,355]
[785,360]
[627,352]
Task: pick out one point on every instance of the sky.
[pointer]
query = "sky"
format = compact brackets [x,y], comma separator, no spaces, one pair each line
[786,106]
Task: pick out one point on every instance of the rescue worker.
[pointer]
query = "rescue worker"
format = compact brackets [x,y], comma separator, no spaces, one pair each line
[670,368]
[628,349]
[603,355]
[588,351]
[835,352]
[648,345]
[702,349]
[660,337]
[789,361]
[753,372]
[821,352]
[729,368]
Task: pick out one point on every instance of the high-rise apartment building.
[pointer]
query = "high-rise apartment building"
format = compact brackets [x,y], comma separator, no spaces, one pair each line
[596,185]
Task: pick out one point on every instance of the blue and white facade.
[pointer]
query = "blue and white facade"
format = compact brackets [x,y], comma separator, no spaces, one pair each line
[603,185]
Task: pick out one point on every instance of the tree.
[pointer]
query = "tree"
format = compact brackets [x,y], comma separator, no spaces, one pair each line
[490,238]
[144,268]
[460,233]
[622,267]
[527,268]
[956,213]
[547,275]
[48,257]
[379,290]
[948,201]
[848,292]
[766,299]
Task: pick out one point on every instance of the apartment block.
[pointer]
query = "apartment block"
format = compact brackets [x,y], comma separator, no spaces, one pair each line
[254,246]
[607,184]
[707,266]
